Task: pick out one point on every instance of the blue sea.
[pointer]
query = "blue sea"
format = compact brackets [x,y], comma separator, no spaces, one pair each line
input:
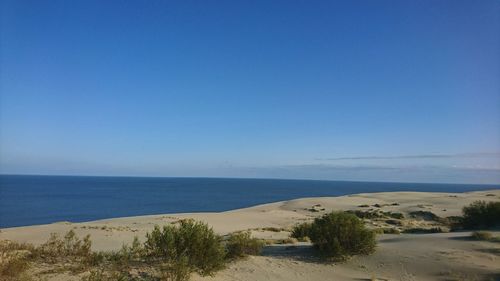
[29,200]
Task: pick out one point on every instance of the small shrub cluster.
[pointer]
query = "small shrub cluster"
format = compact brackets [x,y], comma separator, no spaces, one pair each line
[424,215]
[68,253]
[301,231]
[423,230]
[366,214]
[193,241]
[13,261]
[454,222]
[69,248]
[273,229]
[482,235]
[180,270]
[289,240]
[481,214]
[341,234]
[376,214]
[241,244]
[174,251]
[393,215]
[387,230]
[394,222]
[122,259]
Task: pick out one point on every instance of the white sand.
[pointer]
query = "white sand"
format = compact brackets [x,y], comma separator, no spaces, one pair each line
[398,257]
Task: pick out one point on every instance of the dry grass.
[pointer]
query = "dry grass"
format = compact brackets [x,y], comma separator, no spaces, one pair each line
[482,235]
[15,260]
[280,241]
[242,244]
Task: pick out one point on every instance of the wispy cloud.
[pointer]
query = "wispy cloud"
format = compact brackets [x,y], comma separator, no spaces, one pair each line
[417,156]
[407,173]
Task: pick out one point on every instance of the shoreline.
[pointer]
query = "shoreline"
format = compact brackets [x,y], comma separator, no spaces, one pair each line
[435,256]
[282,214]
[97,198]
[364,194]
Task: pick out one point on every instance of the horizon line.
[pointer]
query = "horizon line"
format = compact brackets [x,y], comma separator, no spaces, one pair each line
[250,178]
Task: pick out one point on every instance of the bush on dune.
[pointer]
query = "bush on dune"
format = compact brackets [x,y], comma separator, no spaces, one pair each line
[241,244]
[172,252]
[70,247]
[339,235]
[68,253]
[482,235]
[13,266]
[178,270]
[481,214]
[301,231]
[422,230]
[193,241]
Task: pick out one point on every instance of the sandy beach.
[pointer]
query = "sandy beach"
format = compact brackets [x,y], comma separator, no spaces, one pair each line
[436,256]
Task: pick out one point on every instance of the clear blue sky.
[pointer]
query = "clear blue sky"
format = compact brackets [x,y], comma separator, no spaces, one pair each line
[348,90]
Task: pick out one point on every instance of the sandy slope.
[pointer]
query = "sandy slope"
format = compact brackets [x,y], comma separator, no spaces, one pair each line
[398,257]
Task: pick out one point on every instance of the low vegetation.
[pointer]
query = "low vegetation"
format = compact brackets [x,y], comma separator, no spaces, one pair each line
[289,240]
[387,230]
[241,244]
[273,229]
[301,231]
[425,215]
[340,234]
[422,230]
[337,235]
[481,215]
[377,214]
[174,251]
[193,241]
[170,253]
[13,261]
[482,235]
[485,236]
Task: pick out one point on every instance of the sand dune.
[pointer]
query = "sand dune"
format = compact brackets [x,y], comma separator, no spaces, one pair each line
[440,256]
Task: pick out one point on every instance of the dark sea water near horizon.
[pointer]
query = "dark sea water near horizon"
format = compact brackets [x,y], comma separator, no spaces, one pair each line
[30,200]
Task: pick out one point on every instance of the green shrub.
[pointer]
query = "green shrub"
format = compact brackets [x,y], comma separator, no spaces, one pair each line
[394,222]
[121,259]
[481,214]
[178,270]
[421,230]
[424,215]
[241,244]
[289,240]
[390,230]
[398,216]
[195,241]
[366,214]
[482,235]
[340,234]
[69,248]
[301,231]
[272,229]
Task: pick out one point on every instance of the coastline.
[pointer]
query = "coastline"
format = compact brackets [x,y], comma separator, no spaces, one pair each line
[282,214]
[85,199]
[423,256]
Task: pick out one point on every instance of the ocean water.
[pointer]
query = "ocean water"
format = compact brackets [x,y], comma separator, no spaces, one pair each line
[29,200]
